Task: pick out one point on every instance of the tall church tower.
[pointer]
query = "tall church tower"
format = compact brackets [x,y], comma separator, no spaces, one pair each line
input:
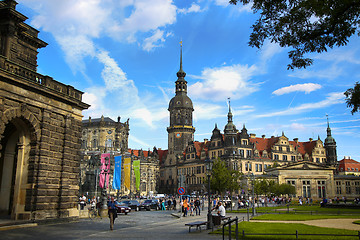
[330,147]
[180,131]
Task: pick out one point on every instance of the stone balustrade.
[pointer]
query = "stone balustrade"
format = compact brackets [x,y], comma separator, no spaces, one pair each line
[35,77]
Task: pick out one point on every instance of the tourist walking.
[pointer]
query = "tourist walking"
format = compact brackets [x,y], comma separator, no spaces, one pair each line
[174,203]
[197,206]
[185,207]
[112,211]
[82,201]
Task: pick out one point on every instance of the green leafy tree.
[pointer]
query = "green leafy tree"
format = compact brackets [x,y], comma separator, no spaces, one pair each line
[353,98]
[307,26]
[261,187]
[223,179]
[270,187]
[287,189]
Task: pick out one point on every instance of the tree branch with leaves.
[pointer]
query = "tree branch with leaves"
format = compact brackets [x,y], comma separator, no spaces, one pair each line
[306,26]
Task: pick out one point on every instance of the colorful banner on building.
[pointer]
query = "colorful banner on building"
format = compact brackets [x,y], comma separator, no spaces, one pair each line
[117,173]
[136,166]
[104,170]
[127,172]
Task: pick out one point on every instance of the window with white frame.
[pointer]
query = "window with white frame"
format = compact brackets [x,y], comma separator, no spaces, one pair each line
[321,189]
[306,188]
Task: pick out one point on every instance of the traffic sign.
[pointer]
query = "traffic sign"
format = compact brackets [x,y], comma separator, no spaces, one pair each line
[181,190]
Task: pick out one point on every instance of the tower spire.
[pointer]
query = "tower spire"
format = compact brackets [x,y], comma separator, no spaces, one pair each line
[328,130]
[327,118]
[181,56]
[181,74]
[229,114]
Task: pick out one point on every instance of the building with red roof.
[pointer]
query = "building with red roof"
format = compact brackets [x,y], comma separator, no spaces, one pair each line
[348,166]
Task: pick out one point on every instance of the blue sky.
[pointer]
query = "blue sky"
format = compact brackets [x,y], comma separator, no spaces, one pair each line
[125,54]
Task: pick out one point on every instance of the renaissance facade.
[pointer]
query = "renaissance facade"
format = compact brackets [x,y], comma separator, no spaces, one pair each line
[40,125]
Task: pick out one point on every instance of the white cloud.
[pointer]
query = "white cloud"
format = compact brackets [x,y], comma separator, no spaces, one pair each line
[132,138]
[328,73]
[80,46]
[146,16]
[269,50]
[76,24]
[81,17]
[333,98]
[114,76]
[306,87]
[94,97]
[193,8]
[207,111]
[339,55]
[244,110]
[155,40]
[149,116]
[227,81]
[298,127]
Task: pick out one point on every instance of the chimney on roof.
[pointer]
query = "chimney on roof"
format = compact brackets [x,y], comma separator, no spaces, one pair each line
[347,157]
[119,119]
[89,119]
[263,136]
[272,136]
[310,139]
[206,140]
[296,140]
[159,148]
[252,135]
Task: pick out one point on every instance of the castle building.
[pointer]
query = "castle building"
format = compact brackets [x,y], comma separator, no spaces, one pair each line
[251,154]
[40,126]
[309,166]
[184,163]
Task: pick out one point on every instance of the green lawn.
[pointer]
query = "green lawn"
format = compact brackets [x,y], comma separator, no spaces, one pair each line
[299,217]
[316,209]
[288,228]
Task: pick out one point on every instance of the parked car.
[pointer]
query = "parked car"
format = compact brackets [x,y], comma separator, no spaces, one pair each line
[133,204]
[122,208]
[150,204]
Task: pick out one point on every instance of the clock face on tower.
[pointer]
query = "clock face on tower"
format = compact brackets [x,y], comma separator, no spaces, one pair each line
[177,135]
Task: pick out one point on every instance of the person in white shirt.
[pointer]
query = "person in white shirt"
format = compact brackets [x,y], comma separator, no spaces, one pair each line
[221,210]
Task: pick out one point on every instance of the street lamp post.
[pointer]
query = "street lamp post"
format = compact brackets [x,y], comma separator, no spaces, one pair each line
[208,163]
[253,198]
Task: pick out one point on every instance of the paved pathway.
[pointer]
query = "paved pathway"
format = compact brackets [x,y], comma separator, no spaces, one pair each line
[340,223]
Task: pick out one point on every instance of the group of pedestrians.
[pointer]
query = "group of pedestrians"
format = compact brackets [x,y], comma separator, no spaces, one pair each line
[192,206]
[167,204]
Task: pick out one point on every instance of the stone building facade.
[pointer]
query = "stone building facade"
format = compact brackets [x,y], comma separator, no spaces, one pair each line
[100,135]
[310,166]
[40,126]
[348,166]
[149,173]
[104,134]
